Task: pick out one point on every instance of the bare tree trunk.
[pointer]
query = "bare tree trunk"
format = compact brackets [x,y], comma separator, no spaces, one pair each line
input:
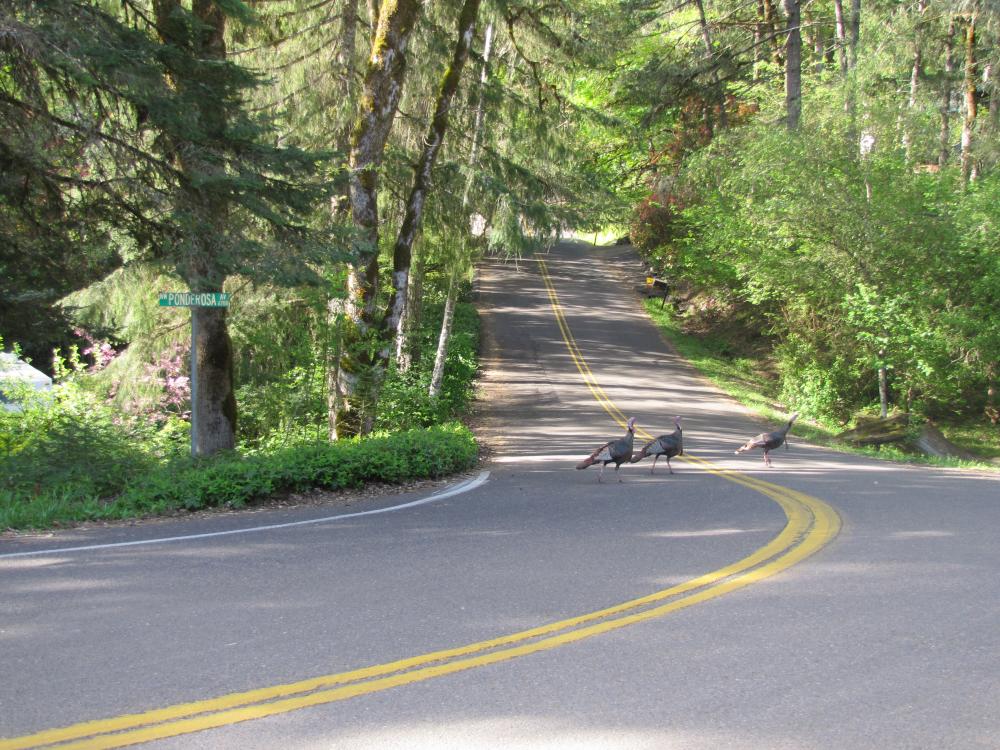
[991,411]
[759,34]
[402,251]
[411,313]
[477,126]
[916,71]
[771,25]
[706,37]
[994,110]
[855,34]
[971,102]
[944,108]
[793,65]
[334,351]
[838,10]
[818,43]
[359,377]
[883,385]
[340,204]
[437,377]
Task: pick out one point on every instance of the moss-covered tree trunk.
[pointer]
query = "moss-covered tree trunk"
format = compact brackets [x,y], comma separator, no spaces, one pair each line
[403,249]
[359,377]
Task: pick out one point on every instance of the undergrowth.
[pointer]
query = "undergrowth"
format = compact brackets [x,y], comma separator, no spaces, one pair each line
[231,480]
[744,379]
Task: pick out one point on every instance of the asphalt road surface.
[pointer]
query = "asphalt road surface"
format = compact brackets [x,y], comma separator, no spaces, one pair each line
[831,601]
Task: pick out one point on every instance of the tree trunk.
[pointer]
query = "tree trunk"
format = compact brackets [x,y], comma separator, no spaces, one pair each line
[991,411]
[334,351]
[838,11]
[818,43]
[916,71]
[971,102]
[402,251]
[771,25]
[213,401]
[883,386]
[477,126]
[359,377]
[437,377]
[854,34]
[994,109]
[215,427]
[410,321]
[340,202]
[793,65]
[706,38]
[759,35]
[944,108]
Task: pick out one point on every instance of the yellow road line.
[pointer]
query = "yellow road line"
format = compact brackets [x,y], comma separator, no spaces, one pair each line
[810,525]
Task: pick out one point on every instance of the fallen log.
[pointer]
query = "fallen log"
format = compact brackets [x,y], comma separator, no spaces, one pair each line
[869,431]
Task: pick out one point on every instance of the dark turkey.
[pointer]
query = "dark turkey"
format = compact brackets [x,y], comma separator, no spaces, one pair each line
[769,441]
[617,452]
[665,445]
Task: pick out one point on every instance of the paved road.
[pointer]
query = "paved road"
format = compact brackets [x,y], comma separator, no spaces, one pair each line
[886,636]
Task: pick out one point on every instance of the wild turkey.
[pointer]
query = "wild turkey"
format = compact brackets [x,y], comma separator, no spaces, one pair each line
[769,441]
[617,452]
[665,445]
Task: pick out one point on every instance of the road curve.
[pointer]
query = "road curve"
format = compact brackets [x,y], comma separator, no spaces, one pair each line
[886,637]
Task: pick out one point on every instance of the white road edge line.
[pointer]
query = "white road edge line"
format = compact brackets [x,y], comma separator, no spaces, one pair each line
[466,486]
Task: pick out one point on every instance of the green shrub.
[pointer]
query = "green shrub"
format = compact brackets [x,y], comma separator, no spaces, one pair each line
[404,402]
[70,437]
[231,480]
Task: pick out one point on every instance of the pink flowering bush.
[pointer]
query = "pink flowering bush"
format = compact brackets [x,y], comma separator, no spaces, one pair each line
[170,370]
[99,350]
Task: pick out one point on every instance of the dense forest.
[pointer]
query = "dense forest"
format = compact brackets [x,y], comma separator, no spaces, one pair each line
[819,177]
[826,178]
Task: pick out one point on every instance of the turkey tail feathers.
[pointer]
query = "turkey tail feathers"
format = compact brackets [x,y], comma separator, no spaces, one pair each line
[585,462]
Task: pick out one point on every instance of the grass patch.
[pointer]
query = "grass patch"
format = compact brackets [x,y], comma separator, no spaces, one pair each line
[742,378]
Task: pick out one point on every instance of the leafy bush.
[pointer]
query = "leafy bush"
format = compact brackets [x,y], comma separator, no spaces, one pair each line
[232,480]
[69,437]
[405,402]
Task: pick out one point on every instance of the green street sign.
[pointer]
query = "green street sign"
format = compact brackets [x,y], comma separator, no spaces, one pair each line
[194,299]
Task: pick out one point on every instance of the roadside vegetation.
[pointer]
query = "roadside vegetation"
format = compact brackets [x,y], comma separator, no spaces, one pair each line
[820,182]
[74,454]
[254,150]
[746,370]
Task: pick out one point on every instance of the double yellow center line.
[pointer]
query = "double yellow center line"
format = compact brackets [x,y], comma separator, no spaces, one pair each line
[810,525]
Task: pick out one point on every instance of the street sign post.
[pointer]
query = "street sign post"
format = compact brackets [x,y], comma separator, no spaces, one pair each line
[194,299]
